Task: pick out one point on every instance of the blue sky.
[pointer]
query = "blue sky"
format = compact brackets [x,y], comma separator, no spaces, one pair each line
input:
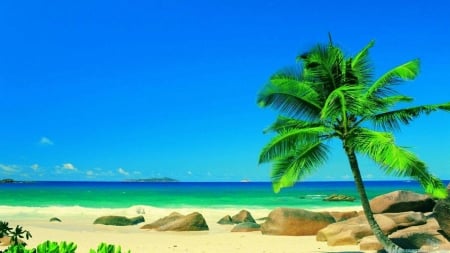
[110,90]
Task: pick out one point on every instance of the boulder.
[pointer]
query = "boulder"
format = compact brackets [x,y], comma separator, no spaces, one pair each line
[351,231]
[370,243]
[407,219]
[242,216]
[119,220]
[246,227]
[339,197]
[341,216]
[402,201]
[226,220]
[178,222]
[290,221]
[421,236]
[442,214]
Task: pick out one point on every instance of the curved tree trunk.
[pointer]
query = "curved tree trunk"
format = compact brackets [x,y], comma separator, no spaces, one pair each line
[388,245]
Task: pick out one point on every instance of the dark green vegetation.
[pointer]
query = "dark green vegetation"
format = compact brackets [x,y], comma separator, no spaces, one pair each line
[16,234]
[330,96]
[18,246]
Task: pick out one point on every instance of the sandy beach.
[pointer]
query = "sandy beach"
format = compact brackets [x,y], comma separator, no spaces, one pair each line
[77,226]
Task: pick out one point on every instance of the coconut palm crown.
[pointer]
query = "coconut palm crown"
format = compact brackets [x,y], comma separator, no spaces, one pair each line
[331,96]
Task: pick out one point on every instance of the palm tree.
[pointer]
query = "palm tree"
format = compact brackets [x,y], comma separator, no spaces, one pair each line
[330,96]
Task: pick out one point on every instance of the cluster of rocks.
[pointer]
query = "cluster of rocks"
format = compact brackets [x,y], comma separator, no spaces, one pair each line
[243,222]
[410,219]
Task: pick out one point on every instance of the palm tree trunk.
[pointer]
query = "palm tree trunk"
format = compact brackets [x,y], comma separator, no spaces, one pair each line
[388,245]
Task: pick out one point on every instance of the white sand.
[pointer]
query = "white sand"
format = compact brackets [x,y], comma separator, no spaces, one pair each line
[76,226]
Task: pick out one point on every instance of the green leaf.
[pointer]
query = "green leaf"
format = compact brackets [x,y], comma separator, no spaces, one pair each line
[285,141]
[393,119]
[283,123]
[406,71]
[300,163]
[395,160]
[360,65]
[290,96]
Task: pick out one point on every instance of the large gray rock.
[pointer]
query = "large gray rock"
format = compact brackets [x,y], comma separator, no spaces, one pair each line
[407,219]
[289,221]
[119,220]
[402,201]
[177,222]
[416,237]
[442,213]
[351,231]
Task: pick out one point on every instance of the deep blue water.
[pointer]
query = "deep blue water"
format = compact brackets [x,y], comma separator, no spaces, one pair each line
[186,194]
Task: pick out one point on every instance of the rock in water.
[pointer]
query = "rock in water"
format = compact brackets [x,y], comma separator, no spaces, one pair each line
[339,197]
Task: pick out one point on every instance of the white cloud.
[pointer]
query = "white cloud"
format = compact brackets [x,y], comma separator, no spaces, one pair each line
[69,166]
[46,141]
[90,173]
[122,171]
[35,167]
[8,168]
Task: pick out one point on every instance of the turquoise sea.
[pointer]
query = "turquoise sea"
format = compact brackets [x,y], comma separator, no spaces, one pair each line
[185,194]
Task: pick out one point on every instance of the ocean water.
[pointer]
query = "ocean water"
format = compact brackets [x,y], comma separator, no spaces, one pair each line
[185,194]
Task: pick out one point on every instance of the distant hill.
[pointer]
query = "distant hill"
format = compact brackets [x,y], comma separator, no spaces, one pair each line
[154,180]
[6,181]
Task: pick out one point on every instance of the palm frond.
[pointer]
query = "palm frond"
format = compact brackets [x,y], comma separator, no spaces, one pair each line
[343,101]
[287,140]
[360,64]
[290,95]
[393,119]
[299,163]
[395,160]
[323,66]
[406,71]
[283,123]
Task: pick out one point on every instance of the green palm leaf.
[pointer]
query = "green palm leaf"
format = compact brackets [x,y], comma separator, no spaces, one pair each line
[298,164]
[290,96]
[342,101]
[393,119]
[406,71]
[283,143]
[285,123]
[395,160]
[360,64]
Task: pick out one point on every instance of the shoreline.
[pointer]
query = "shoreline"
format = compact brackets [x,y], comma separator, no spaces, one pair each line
[77,226]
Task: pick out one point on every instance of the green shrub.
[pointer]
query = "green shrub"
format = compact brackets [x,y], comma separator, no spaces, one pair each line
[54,247]
[107,248]
[18,248]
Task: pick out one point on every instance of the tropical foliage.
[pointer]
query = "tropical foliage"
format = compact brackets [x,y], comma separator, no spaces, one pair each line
[330,96]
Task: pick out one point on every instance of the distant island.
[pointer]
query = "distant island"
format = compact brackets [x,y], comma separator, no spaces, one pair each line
[6,181]
[154,180]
